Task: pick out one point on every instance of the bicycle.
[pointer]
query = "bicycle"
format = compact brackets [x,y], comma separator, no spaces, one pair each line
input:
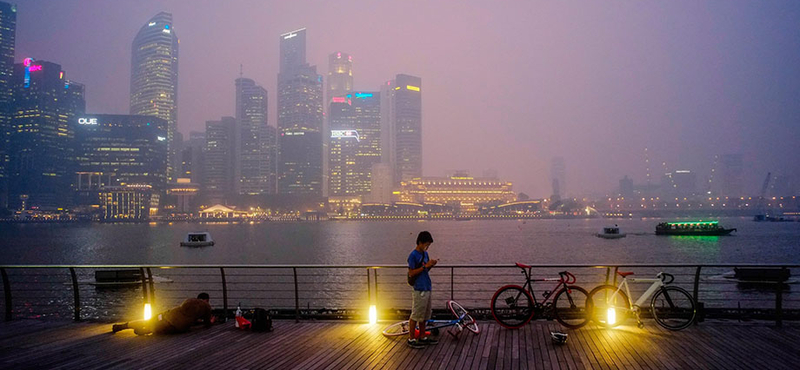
[463,320]
[672,307]
[513,306]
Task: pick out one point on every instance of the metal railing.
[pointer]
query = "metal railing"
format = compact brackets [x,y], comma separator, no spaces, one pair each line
[341,291]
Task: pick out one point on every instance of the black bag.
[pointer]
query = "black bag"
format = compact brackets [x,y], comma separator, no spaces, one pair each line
[262,321]
[413,279]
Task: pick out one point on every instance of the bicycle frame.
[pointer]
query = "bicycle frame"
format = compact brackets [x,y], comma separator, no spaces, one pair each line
[565,278]
[657,284]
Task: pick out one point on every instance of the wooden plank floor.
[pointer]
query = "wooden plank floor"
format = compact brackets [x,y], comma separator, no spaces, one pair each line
[347,345]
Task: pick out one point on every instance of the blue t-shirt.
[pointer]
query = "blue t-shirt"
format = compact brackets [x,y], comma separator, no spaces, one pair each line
[415,260]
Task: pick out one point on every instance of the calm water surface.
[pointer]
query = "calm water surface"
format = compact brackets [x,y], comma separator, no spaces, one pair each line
[476,241]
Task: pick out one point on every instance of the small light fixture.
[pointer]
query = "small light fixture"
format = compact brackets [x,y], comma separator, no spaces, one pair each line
[611,316]
[148,312]
[373,314]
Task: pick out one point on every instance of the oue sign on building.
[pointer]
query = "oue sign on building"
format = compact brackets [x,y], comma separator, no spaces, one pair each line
[87,121]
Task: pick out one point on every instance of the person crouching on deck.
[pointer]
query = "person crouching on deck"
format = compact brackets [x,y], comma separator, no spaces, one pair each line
[177,320]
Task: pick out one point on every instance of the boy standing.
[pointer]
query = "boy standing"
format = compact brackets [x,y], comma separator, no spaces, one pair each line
[419,263]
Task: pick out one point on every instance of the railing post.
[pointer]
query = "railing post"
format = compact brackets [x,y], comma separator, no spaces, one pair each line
[152,287]
[296,297]
[224,294]
[451,283]
[608,274]
[779,302]
[369,291]
[376,286]
[696,294]
[77,294]
[144,285]
[7,293]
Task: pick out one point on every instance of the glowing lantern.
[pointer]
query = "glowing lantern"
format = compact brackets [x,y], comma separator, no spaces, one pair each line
[611,316]
[148,312]
[373,314]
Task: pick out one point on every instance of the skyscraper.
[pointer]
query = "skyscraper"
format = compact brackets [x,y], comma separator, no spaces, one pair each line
[127,150]
[406,122]
[558,177]
[154,78]
[46,110]
[218,171]
[340,75]
[253,146]
[192,157]
[8,26]
[355,145]
[299,120]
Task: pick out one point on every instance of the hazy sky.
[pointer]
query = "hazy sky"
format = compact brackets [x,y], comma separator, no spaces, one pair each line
[506,84]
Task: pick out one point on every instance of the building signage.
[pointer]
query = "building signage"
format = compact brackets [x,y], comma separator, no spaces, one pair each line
[87,121]
[345,134]
[35,68]
[161,138]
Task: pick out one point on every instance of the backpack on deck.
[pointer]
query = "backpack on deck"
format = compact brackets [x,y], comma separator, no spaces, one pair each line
[261,321]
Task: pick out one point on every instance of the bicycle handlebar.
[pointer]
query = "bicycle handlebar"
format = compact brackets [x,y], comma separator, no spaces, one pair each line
[570,278]
[664,276]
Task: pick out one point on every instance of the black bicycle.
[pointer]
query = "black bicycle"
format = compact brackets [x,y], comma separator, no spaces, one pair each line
[513,306]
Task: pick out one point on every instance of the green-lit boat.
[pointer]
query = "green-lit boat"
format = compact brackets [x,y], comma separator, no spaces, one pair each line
[702,228]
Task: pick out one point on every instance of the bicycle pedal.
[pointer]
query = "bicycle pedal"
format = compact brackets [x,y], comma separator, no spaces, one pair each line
[546,293]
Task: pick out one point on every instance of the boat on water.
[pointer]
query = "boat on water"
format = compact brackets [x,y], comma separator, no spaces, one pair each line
[694,228]
[120,279]
[198,239]
[611,233]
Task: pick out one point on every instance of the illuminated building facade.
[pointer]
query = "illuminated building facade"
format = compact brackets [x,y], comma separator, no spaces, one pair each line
[8,26]
[340,75]
[255,150]
[405,120]
[219,160]
[184,192]
[299,120]
[129,150]
[463,193]
[355,142]
[129,203]
[192,157]
[154,78]
[43,124]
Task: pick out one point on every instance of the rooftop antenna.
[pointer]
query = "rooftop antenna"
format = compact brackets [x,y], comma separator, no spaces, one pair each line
[241,71]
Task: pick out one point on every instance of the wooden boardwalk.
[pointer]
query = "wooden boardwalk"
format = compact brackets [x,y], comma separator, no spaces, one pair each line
[348,345]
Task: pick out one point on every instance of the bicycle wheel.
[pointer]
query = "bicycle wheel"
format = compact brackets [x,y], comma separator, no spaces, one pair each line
[468,322]
[673,308]
[608,306]
[512,306]
[569,307]
[396,329]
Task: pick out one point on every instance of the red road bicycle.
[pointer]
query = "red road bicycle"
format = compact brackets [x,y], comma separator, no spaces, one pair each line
[513,306]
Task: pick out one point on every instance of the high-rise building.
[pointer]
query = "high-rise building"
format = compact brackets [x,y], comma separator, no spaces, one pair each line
[125,149]
[154,78]
[299,120]
[680,183]
[732,168]
[558,176]
[253,145]
[192,157]
[340,75]
[218,171]
[8,26]
[405,119]
[626,187]
[355,142]
[43,122]
[387,127]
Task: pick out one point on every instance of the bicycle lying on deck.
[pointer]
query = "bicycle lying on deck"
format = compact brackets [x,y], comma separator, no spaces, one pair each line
[513,306]
[463,320]
[672,307]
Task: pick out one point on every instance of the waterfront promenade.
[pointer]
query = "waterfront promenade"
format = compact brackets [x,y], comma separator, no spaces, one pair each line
[356,345]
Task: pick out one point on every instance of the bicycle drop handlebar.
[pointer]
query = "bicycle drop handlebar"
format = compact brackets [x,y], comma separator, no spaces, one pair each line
[666,278]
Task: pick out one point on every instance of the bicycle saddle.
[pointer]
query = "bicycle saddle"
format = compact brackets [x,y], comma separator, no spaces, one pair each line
[624,274]
[522,265]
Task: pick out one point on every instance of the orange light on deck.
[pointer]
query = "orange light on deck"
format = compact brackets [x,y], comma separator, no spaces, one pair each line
[611,316]
[148,312]
[373,314]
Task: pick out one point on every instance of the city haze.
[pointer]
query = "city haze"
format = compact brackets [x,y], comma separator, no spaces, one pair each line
[506,86]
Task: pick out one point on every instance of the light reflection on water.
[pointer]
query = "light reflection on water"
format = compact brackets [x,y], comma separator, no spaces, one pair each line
[476,241]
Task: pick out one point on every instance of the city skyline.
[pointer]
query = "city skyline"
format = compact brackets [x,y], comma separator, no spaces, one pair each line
[659,89]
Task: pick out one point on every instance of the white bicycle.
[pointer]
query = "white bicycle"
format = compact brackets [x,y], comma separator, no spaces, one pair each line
[672,307]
